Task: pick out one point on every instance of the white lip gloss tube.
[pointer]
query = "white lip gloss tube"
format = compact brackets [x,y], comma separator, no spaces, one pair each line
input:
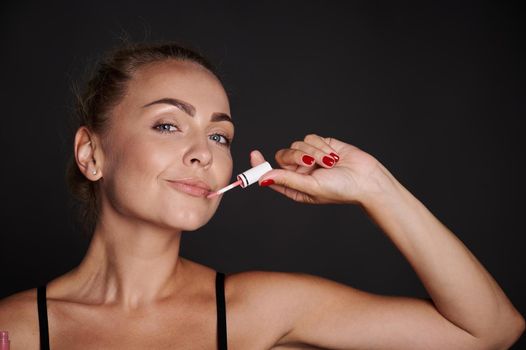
[252,175]
[246,178]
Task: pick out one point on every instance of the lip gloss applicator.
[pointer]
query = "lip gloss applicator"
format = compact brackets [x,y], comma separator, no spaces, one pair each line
[4,340]
[245,179]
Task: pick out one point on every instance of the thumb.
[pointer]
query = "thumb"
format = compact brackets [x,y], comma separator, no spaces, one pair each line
[256,158]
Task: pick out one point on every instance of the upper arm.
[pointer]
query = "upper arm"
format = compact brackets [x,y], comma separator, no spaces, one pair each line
[18,316]
[327,314]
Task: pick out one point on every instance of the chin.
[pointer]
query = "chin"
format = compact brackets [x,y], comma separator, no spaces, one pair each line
[187,219]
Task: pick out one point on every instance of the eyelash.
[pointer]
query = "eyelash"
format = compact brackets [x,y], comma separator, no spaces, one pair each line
[159,126]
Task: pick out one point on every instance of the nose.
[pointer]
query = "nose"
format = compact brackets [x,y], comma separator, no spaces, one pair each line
[199,153]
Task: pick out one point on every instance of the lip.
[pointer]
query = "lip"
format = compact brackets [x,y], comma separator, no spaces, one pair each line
[191,186]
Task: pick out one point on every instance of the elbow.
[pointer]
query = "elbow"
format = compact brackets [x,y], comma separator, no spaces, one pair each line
[508,333]
[521,327]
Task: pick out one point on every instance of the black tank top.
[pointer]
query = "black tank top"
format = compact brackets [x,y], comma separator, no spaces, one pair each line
[220,302]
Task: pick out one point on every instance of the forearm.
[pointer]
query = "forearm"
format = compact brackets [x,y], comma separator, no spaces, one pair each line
[461,289]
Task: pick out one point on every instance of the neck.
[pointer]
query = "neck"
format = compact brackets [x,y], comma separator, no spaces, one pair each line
[129,263]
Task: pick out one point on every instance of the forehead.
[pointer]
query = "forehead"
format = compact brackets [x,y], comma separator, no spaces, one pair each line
[183,80]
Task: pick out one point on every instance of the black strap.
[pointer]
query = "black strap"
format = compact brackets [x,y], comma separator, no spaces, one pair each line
[42,317]
[221,311]
[221,314]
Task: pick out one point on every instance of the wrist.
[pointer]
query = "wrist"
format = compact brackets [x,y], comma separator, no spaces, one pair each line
[382,188]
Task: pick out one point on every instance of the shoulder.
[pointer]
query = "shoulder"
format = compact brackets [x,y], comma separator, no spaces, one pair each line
[269,284]
[286,292]
[19,308]
[261,282]
[274,301]
[290,307]
[263,293]
[19,316]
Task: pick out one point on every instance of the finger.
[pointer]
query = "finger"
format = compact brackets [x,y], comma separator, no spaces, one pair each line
[305,167]
[256,158]
[290,179]
[337,144]
[324,144]
[319,155]
[303,154]
[288,158]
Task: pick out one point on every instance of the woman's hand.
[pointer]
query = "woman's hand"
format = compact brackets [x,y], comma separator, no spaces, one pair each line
[324,170]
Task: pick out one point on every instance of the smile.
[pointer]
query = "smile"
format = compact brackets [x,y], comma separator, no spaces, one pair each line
[196,190]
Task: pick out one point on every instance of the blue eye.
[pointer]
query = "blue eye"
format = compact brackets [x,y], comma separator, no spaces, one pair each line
[165,128]
[222,139]
[168,128]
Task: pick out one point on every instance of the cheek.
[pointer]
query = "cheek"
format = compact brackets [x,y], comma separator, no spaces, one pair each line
[223,169]
[137,161]
[131,174]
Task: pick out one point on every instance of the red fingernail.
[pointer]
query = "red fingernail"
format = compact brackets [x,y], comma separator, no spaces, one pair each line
[266,182]
[328,161]
[307,160]
[335,156]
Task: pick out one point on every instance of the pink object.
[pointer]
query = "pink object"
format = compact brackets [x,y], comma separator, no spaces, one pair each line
[245,179]
[224,189]
[4,340]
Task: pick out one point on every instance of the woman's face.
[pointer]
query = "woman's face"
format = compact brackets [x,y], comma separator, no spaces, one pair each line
[166,139]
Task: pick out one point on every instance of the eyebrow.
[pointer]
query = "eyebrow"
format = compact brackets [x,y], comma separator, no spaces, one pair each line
[189,109]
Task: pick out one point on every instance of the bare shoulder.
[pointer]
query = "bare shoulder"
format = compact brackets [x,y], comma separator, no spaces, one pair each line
[19,316]
[285,292]
[270,285]
[273,301]
[265,292]
[255,281]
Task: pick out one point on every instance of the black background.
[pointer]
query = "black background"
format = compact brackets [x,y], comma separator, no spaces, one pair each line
[435,91]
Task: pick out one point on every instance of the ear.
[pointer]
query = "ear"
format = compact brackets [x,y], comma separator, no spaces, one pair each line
[88,154]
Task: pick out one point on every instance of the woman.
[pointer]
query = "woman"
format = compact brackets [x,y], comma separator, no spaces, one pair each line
[153,142]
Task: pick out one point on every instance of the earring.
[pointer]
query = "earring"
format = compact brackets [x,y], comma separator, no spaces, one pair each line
[94,172]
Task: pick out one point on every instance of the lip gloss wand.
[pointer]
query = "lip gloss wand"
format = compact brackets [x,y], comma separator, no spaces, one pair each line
[245,179]
[4,340]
